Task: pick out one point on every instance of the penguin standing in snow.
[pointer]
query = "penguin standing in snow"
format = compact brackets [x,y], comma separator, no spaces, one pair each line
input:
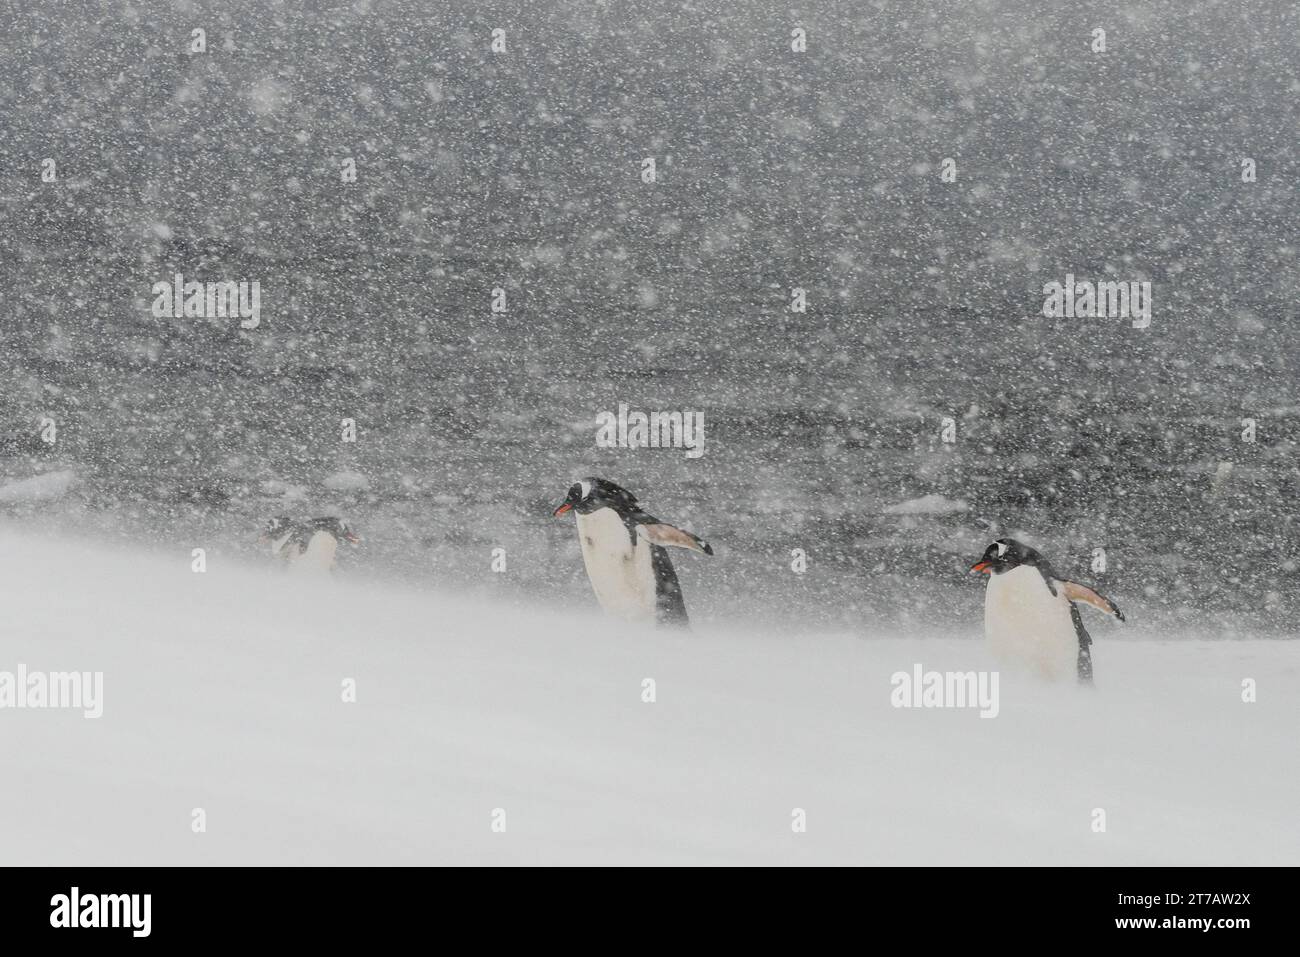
[625,551]
[1032,614]
[309,545]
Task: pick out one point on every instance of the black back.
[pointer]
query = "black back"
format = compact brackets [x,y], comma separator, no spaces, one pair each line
[1083,664]
[670,606]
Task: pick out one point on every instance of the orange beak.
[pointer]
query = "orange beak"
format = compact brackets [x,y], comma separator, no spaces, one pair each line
[566,507]
[981,567]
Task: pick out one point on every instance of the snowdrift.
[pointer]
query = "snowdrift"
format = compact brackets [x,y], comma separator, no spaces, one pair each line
[223,690]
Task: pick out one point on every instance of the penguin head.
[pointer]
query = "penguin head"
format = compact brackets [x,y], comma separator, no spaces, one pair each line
[592,494]
[275,528]
[1004,555]
[338,529]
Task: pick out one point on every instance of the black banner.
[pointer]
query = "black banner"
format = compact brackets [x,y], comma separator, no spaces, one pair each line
[1157,906]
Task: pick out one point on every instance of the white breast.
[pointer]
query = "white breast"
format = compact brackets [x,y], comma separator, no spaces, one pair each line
[317,557]
[621,575]
[1025,623]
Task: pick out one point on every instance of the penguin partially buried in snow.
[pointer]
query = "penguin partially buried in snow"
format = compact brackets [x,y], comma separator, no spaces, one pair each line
[1031,613]
[625,553]
[306,546]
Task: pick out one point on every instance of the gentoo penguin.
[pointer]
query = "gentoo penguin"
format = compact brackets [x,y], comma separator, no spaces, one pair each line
[1031,613]
[625,553]
[309,545]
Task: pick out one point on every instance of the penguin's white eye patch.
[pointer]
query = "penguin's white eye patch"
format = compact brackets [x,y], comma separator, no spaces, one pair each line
[1002,548]
[585,488]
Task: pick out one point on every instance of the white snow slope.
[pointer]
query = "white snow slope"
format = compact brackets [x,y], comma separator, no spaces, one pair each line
[222,691]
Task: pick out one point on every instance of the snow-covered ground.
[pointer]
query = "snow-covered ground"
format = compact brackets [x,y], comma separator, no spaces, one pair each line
[223,691]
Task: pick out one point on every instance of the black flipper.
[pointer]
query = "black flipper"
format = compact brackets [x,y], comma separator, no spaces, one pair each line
[1076,591]
[662,533]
